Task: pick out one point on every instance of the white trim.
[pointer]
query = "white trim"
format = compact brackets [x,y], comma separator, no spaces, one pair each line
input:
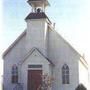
[14,43]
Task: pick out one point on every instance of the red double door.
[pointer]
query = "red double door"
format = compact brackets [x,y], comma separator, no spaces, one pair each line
[34,79]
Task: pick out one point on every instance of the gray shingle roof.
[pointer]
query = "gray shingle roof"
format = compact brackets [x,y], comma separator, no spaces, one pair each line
[40,15]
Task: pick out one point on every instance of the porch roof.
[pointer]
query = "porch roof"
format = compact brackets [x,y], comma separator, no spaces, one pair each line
[31,51]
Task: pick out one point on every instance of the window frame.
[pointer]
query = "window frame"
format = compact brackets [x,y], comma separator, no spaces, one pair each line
[14,76]
[65,74]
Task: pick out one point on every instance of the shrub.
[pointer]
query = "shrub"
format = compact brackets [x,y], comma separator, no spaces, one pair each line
[80,87]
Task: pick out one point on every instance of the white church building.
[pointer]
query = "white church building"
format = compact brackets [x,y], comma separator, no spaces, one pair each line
[40,50]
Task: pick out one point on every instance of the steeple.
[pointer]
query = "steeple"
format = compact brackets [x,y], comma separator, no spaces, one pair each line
[38,5]
[38,9]
[37,26]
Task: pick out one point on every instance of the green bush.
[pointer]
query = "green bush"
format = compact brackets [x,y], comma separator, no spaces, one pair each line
[80,87]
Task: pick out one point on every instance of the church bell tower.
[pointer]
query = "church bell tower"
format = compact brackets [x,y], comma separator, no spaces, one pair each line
[37,26]
[38,5]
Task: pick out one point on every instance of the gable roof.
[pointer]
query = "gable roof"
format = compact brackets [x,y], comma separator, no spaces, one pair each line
[83,59]
[31,51]
[14,43]
[24,33]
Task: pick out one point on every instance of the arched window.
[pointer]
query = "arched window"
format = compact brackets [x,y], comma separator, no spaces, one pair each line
[14,74]
[65,74]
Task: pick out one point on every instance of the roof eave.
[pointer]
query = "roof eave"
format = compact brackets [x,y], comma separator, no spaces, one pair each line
[13,44]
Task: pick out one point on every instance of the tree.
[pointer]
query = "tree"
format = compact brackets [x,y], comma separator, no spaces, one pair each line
[46,82]
[80,87]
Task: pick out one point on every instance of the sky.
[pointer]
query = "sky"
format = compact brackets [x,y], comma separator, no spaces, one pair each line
[72,18]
